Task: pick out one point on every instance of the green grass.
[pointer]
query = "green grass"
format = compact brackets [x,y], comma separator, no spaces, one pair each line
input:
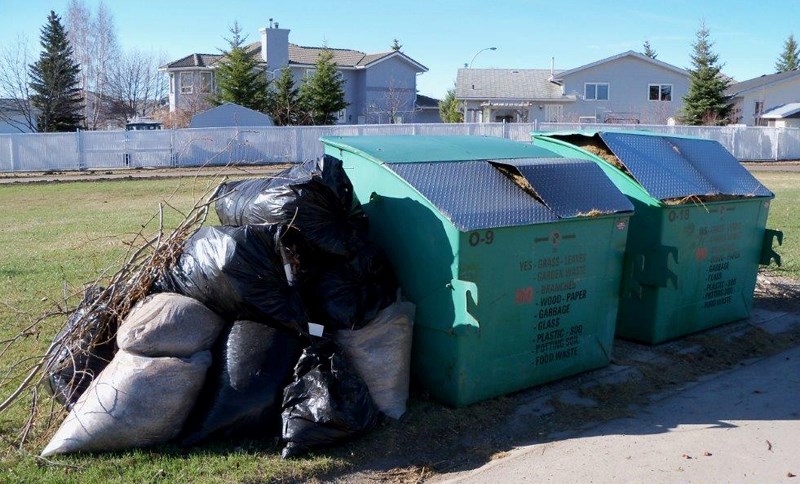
[57,236]
[784,214]
[53,239]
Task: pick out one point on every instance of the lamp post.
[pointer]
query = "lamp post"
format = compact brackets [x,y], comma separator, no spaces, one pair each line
[478,53]
[470,67]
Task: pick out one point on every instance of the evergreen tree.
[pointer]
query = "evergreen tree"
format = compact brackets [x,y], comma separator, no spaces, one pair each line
[396,45]
[705,103]
[286,104]
[240,80]
[55,81]
[449,108]
[322,94]
[789,59]
[648,51]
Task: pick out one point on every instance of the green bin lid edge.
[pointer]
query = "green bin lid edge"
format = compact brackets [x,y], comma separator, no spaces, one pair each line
[433,149]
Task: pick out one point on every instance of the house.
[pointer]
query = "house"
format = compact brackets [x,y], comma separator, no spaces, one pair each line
[628,87]
[17,116]
[783,116]
[379,88]
[229,115]
[751,99]
[427,110]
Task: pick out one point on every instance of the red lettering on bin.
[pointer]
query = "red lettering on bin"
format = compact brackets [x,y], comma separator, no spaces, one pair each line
[700,253]
[524,295]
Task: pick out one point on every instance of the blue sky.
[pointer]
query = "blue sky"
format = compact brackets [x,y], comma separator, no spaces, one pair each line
[445,34]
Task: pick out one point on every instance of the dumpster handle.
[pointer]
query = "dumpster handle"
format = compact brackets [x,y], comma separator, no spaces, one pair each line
[768,254]
[652,268]
[462,290]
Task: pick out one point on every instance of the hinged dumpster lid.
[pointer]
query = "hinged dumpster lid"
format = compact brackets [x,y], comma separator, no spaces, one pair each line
[670,167]
[480,183]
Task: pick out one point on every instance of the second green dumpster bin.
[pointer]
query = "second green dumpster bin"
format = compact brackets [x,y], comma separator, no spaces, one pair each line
[698,234]
[512,255]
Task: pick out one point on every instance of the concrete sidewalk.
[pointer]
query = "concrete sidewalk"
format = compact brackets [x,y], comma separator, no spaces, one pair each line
[742,425]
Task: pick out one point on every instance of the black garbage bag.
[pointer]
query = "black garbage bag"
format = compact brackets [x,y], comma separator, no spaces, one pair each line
[316,201]
[347,293]
[238,273]
[325,403]
[81,350]
[243,391]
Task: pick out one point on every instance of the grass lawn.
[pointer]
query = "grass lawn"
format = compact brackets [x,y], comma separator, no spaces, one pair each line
[56,237]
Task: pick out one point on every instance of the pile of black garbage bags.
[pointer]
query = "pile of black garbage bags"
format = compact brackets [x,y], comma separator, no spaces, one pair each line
[284,320]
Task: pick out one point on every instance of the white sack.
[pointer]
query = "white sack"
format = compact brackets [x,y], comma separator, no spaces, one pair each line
[136,401]
[380,353]
[169,325]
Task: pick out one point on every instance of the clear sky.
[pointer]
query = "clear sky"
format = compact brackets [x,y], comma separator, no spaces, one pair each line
[443,35]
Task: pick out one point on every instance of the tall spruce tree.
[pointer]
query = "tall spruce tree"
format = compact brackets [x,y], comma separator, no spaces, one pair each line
[285,108]
[648,50]
[789,59]
[449,109]
[55,81]
[240,79]
[322,94]
[705,103]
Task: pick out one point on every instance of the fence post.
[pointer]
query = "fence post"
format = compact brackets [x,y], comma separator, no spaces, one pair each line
[778,133]
[173,157]
[12,153]
[79,149]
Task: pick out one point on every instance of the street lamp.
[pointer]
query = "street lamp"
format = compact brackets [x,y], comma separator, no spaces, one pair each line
[470,67]
[477,53]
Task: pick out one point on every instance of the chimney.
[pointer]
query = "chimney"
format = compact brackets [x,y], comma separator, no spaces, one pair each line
[274,46]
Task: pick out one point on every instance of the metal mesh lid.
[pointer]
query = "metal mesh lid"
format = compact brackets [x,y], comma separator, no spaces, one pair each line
[571,187]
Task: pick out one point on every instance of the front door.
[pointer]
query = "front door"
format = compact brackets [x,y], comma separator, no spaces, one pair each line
[553,113]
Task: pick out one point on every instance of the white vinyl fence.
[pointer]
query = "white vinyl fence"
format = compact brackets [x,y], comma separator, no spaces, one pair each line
[90,150]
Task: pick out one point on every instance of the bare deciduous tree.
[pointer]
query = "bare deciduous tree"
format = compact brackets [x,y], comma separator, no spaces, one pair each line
[16,109]
[135,85]
[94,41]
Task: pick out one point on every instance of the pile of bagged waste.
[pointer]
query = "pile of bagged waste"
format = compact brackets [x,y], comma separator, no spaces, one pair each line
[285,321]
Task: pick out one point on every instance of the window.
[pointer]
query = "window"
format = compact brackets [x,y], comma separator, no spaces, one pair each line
[310,72]
[171,83]
[187,85]
[659,92]
[205,82]
[759,109]
[595,91]
[341,116]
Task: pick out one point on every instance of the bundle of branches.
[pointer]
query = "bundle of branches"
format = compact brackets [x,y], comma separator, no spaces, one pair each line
[94,322]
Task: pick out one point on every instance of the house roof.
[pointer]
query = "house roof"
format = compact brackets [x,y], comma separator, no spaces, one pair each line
[507,84]
[629,53]
[784,111]
[229,115]
[194,60]
[299,55]
[426,102]
[760,82]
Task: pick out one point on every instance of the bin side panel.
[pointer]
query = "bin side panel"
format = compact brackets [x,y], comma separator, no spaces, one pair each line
[720,167]
[547,309]
[473,195]
[718,249]
[657,166]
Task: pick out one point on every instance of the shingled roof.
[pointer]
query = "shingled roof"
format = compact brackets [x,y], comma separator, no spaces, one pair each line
[507,84]
[298,55]
[759,82]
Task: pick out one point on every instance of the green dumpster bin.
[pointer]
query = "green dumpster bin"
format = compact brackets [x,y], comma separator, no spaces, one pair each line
[698,234]
[512,254]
